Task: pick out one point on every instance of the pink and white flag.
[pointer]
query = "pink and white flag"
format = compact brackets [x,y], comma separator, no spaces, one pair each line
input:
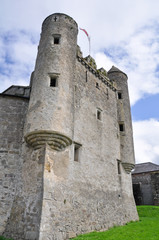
[88,38]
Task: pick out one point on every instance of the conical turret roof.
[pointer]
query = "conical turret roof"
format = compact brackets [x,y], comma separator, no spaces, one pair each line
[115,69]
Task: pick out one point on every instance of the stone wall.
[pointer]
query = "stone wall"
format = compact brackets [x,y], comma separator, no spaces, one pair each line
[146,188]
[155,187]
[87,193]
[12,116]
[25,216]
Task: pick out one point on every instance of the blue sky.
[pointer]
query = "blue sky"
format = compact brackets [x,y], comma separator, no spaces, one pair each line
[146,108]
[123,33]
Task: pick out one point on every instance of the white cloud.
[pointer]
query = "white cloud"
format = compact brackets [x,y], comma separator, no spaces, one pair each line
[17,58]
[138,56]
[146,141]
[103,61]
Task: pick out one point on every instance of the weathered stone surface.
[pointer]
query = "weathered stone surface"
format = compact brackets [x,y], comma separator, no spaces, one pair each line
[69,177]
[12,115]
[145,179]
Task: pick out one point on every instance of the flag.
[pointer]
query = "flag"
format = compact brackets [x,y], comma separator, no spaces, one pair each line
[88,38]
[85,33]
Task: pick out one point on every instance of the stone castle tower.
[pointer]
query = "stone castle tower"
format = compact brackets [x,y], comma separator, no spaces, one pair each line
[66,146]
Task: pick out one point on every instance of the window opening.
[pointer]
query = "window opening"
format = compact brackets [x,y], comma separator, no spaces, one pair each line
[107,93]
[86,76]
[120,95]
[99,114]
[56,40]
[76,152]
[118,167]
[121,127]
[97,85]
[53,82]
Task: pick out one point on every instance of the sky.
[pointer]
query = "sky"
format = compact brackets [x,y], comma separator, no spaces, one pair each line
[124,33]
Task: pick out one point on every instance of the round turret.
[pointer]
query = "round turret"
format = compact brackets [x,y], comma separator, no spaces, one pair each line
[114,70]
[124,118]
[50,112]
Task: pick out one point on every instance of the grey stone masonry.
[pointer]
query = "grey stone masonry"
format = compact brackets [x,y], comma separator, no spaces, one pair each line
[70,134]
[12,115]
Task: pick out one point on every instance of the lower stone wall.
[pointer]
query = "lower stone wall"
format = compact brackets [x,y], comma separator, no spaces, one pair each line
[12,115]
[25,216]
[53,203]
[73,206]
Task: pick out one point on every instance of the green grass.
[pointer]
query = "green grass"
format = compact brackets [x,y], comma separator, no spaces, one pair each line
[3,238]
[145,229]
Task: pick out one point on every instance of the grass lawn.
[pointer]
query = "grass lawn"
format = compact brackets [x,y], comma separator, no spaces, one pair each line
[3,238]
[146,229]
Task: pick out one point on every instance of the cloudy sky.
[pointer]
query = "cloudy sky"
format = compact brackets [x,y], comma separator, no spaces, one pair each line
[124,33]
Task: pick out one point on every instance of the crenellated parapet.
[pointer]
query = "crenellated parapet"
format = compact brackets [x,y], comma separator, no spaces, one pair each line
[91,66]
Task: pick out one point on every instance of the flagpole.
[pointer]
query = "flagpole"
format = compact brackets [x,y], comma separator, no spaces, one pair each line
[89,46]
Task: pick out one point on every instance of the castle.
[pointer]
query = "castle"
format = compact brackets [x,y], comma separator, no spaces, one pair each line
[66,145]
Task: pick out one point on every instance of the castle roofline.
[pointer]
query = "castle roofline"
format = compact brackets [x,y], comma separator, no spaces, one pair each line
[145,167]
[61,14]
[17,91]
[115,69]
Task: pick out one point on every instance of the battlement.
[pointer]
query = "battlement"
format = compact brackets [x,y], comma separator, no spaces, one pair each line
[91,66]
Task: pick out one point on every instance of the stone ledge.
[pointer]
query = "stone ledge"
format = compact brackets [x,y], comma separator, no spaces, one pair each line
[55,140]
[128,167]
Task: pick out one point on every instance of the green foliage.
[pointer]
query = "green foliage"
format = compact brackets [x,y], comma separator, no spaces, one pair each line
[147,228]
[3,238]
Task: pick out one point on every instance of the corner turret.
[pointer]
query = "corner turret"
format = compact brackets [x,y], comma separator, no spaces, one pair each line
[52,85]
[124,118]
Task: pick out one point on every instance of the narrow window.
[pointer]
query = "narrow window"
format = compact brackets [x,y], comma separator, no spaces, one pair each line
[118,166]
[86,76]
[99,114]
[121,127]
[53,82]
[120,95]
[97,85]
[76,152]
[107,93]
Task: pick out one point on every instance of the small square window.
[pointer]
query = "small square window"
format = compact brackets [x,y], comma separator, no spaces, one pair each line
[99,114]
[53,82]
[56,40]
[121,127]
[120,95]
